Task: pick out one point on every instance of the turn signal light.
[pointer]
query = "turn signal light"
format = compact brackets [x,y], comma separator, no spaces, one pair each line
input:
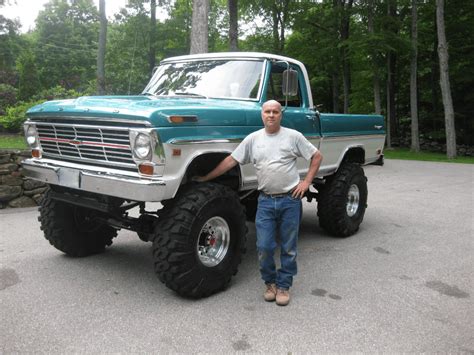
[181,119]
[36,153]
[145,169]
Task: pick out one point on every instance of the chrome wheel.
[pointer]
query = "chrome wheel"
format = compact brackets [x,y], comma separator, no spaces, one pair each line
[213,242]
[353,197]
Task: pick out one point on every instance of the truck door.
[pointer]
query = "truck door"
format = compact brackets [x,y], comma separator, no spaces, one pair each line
[297,114]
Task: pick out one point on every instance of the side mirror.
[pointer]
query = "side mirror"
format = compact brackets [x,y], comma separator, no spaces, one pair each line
[290,82]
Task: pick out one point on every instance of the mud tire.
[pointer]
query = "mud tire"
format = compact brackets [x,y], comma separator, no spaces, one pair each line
[334,198]
[73,230]
[179,231]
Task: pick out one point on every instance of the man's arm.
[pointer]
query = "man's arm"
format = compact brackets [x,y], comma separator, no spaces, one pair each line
[303,186]
[223,167]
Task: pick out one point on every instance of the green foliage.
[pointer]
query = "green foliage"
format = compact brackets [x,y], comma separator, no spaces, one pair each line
[8,96]
[16,115]
[66,43]
[28,75]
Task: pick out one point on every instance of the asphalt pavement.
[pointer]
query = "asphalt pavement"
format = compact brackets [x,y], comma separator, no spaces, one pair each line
[403,283]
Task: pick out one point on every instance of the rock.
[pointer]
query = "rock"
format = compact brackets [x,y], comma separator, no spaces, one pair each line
[23,201]
[11,180]
[38,198]
[8,168]
[30,184]
[4,158]
[33,192]
[8,193]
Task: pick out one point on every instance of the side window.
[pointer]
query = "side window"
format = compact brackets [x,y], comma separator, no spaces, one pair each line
[274,90]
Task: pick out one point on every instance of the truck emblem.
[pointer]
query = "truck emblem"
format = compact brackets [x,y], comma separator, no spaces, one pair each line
[74,142]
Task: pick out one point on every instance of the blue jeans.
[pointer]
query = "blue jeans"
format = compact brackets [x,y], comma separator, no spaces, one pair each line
[278,215]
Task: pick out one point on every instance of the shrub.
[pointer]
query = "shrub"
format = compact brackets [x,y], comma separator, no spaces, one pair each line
[8,95]
[13,120]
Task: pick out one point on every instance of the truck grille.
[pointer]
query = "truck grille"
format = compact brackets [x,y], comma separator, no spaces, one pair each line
[109,146]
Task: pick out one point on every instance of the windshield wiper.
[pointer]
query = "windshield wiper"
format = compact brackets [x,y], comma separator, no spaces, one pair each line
[148,94]
[189,94]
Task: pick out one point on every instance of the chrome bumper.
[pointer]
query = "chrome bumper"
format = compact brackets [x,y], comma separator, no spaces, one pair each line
[102,182]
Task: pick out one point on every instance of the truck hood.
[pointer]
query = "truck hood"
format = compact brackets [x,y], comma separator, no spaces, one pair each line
[156,110]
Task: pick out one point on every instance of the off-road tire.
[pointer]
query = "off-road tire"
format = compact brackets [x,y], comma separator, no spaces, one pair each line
[177,234]
[73,230]
[333,201]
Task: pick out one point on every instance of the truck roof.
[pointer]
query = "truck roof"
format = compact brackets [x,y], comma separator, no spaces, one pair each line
[235,55]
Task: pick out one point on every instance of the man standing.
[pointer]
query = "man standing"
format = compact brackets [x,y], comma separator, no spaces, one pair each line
[273,151]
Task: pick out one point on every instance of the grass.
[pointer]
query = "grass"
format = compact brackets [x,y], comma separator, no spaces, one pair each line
[13,141]
[406,154]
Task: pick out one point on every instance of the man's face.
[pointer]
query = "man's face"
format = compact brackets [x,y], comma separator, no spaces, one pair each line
[271,116]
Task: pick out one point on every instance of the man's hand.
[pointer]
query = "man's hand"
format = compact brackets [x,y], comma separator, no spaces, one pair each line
[198,179]
[303,186]
[300,189]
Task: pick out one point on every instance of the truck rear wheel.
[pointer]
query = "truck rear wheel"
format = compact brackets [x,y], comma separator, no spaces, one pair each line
[342,201]
[199,240]
[73,230]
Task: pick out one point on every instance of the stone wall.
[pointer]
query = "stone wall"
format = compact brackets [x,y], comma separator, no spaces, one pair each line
[16,190]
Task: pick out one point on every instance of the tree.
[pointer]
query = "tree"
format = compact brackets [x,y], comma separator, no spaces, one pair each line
[233,24]
[200,30]
[66,43]
[101,50]
[444,81]
[373,54]
[28,76]
[152,51]
[415,141]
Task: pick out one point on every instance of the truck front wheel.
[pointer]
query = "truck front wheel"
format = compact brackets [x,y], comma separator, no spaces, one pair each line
[73,230]
[342,201]
[199,240]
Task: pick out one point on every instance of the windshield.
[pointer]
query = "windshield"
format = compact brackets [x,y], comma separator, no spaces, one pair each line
[238,79]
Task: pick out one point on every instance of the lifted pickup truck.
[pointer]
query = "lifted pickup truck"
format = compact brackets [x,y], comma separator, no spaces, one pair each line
[103,156]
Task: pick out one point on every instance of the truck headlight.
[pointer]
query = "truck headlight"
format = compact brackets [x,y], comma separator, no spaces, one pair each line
[31,135]
[142,146]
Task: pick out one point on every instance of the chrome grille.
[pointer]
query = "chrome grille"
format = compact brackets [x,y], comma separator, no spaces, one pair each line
[101,145]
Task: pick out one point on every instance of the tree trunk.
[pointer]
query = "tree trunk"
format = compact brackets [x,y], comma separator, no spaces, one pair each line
[200,30]
[444,81]
[346,69]
[276,36]
[152,51]
[101,49]
[415,141]
[335,92]
[233,25]
[376,78]
[391,68]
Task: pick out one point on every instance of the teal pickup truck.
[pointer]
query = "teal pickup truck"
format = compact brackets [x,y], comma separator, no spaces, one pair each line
[103,156]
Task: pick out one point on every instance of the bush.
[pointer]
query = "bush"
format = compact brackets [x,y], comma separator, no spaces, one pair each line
[56,93]
[13,120]
[8,96]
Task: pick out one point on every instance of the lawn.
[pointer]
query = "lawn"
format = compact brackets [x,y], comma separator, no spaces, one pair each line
[406,154]
[13,141]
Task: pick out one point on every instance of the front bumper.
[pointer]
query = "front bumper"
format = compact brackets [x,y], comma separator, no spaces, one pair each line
[103,181]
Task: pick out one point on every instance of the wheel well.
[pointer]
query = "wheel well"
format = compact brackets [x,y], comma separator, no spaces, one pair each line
[203,164]
[354,155]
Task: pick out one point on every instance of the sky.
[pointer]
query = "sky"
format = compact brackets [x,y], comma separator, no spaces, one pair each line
[27,10]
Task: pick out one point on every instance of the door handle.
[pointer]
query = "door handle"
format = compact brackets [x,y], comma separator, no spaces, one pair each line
[311,117]
[378,127]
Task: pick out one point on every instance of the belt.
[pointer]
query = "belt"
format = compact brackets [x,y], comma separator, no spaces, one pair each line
[283,194]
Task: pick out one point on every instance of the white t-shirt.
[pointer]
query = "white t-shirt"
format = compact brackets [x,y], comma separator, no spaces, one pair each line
[274,157]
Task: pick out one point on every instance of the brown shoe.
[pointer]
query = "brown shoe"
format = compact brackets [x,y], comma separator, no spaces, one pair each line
[282,297]
[270,292]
